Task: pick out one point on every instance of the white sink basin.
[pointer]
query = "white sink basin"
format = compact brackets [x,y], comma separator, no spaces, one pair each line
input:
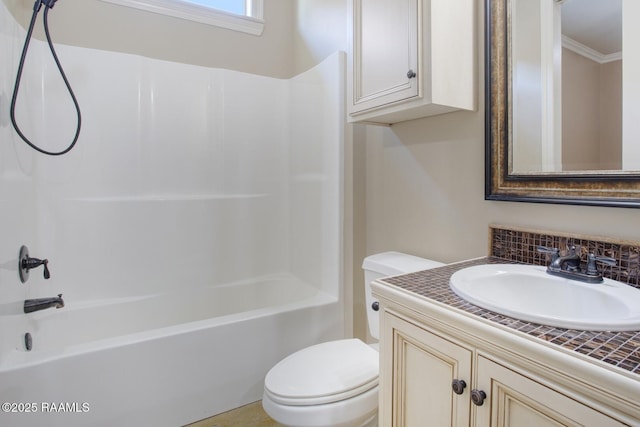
[528,293]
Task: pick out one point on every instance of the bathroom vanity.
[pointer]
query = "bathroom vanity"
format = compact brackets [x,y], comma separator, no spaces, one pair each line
[452,363]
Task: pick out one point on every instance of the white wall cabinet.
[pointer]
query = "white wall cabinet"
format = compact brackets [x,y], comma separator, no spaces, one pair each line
[410,59]
[434,374]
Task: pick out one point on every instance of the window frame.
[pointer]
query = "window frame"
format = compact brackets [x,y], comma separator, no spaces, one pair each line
[253,24]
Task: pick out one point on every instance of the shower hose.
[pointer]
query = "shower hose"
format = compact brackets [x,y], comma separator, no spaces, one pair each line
[36,8]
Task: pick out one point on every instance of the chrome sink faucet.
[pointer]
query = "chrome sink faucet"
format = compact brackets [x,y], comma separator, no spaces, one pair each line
[568,266]
[38,304]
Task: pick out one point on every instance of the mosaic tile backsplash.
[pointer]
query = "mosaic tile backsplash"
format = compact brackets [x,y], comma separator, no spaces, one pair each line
[621,349]
[521,246]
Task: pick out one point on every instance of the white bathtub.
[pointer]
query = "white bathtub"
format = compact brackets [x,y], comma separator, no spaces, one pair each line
[166,227]
[161,360]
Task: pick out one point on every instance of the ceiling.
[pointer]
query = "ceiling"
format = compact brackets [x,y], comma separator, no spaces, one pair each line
[594,23]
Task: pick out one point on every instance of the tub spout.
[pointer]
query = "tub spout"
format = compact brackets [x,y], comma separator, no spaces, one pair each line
[31,305]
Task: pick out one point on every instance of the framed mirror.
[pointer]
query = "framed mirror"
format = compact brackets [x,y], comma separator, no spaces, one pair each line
[563,101]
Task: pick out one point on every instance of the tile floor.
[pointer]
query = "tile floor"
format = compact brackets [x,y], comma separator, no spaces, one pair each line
[251,415]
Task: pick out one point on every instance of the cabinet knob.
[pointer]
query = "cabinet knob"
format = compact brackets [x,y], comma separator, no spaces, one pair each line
[411,74]
[375,306]
[478,397]
[458,386]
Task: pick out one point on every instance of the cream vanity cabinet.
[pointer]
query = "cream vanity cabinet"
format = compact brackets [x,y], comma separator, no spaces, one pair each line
[440,368]
[410,59]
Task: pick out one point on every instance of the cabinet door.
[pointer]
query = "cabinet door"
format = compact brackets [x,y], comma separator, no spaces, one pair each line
[416,375]
[385,49]
[514,400]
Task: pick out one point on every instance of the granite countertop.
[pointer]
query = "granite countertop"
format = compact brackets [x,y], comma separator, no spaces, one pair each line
[621,349]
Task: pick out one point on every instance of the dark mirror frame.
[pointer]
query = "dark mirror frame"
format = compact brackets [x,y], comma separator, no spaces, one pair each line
[595,189]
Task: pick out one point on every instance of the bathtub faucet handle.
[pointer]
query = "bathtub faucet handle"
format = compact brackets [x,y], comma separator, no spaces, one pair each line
[26,263]
[30,263]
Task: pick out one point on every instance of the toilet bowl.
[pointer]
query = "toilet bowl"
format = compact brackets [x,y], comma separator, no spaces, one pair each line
[335,384]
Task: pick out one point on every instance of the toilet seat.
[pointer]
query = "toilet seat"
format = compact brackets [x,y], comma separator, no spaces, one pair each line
[324,373]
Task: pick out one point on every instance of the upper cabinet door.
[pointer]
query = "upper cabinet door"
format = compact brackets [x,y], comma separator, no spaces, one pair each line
[410,59]
[385,52]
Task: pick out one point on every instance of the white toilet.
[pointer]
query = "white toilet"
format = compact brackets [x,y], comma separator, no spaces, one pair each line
[335,384]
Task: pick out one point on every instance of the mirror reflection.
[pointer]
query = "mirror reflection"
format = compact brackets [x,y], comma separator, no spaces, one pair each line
[566,86]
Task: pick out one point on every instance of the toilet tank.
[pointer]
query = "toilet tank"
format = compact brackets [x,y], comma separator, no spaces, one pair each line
[384,265]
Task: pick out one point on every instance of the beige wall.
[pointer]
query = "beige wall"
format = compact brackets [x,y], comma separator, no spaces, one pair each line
[100,25]
[424,185]
[298,34]
[611,115]
[320,30]
[591,113]
[416,187]
[580,112]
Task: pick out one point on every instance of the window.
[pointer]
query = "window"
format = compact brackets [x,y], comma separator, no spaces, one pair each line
[239,7]
[238,15]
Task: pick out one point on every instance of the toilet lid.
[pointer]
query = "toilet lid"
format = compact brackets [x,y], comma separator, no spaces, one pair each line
[324,373]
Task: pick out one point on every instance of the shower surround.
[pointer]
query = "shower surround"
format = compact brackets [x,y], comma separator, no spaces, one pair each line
[194,232]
